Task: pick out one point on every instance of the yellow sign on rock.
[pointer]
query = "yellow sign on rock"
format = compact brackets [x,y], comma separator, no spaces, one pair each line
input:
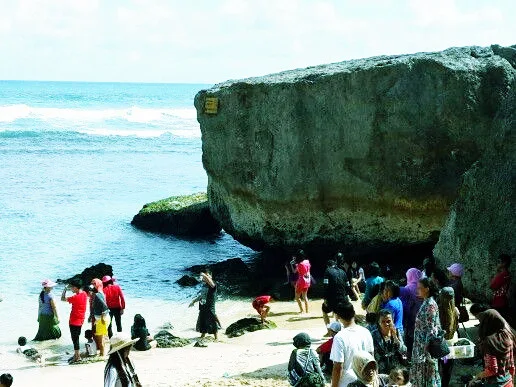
[211,105]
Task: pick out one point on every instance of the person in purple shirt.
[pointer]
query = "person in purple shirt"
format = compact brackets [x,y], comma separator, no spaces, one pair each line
[411,304]
[392,302]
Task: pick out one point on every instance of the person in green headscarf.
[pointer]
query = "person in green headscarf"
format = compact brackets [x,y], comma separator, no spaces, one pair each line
[304,369]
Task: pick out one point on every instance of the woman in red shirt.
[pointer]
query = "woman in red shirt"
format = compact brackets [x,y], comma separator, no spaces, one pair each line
[303,281]
[500,285]
[79,302]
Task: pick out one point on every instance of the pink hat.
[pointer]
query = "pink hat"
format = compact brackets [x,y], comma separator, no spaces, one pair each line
[106,278]
[456,269]
[48,283]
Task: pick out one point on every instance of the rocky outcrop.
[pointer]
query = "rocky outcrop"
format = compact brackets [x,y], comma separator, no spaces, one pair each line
[248,324]
[96,271]
[482,221]
[166,339]
[365,153]
[178,215]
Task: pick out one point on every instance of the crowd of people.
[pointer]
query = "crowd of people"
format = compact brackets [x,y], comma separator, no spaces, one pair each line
[404,323]
[394,348]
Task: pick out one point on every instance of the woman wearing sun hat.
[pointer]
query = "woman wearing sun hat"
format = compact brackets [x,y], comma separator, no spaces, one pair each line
[47,314]
[119,369]
[455,273]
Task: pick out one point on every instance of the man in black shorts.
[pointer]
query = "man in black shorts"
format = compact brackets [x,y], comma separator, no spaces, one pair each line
[336,287]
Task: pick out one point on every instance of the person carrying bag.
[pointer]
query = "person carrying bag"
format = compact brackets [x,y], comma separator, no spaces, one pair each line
[304,369]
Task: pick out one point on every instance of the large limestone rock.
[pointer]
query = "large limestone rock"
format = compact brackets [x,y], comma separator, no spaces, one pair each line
[482,221]
[367,152]
[187,215]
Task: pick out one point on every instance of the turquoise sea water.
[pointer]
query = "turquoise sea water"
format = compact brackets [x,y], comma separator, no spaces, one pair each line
[77,162]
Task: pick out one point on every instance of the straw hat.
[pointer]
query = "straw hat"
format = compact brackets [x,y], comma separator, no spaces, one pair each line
[119,342]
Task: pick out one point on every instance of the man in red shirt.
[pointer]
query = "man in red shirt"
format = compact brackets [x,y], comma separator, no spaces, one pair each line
[115,301]
[500,285]
[79,302]
[260,304]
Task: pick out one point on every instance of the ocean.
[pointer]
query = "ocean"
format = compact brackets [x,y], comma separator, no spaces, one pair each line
[77,162]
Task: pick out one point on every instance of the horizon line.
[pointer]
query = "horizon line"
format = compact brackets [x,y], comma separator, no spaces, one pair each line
[130,82]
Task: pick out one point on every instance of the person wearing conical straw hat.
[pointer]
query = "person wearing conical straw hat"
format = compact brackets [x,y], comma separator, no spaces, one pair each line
[119,371]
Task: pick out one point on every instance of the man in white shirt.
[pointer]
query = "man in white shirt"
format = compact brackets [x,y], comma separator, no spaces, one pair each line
[346,343]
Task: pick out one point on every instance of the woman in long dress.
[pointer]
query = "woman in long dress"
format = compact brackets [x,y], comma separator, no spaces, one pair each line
[424,370]
[207,322]
[47,314]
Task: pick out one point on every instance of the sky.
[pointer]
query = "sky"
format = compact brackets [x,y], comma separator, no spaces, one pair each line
[210,41]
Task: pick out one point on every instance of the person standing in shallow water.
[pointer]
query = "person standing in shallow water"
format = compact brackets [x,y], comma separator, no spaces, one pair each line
[207,322]
[48,318]
[79,302]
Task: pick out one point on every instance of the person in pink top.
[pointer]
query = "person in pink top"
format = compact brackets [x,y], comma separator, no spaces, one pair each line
[303,281]
[115,301]
[79,303]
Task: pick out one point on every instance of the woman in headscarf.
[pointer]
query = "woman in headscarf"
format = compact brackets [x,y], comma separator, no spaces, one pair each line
[449,318]
[366,370]
[47,314]
[411,304]
[424,372]
[497,341]
[119,371]
[455,273]
[304,361]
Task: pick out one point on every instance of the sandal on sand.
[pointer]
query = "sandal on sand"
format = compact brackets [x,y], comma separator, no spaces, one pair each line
[74,361]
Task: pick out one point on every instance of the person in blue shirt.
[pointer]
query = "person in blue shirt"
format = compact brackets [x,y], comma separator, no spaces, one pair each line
[392,303]
[373,282]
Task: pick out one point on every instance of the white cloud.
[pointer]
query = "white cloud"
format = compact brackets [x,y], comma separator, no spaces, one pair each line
[207,41]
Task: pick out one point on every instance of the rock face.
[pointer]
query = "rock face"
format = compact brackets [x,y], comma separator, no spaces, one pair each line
[178,215]
[482,221]
[363,153]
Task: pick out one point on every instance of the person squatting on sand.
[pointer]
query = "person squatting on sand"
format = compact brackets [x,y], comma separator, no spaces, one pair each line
[115,301]
[336,287]
[304,280]
[303,366]
[99,314]
[79,302]
[139,331]
[48,318]
[207,322]
[119,370]
[260,305]
[351,339]
[497,342]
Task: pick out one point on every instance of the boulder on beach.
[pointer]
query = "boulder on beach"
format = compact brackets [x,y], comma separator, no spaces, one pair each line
[249,324]
[178,215]
[166,339]
[367,153]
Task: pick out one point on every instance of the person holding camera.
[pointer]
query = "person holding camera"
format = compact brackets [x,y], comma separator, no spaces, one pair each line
[79,301]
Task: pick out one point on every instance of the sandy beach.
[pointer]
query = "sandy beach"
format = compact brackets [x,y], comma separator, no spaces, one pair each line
[254,359]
